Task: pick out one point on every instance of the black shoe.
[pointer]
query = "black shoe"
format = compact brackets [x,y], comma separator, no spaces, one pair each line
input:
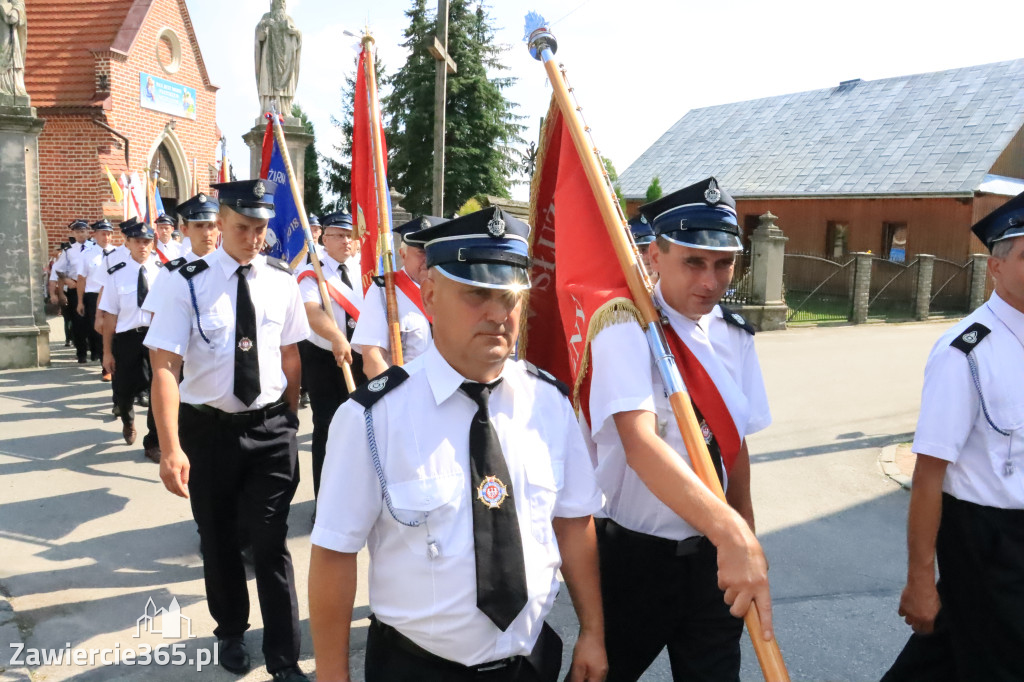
[303,400]
[292,674]
[116,411]
[67,344]
[82,360]
[233,656]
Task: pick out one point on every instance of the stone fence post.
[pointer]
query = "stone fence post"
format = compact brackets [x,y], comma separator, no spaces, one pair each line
[925,272]
[861,287]
[979,278]
[766,307]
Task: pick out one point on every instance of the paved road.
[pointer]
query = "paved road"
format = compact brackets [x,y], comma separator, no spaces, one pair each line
[88,535]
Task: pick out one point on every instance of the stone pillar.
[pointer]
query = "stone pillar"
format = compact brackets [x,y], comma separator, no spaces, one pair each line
[861,287]
[925,271]
[295,136]
[24,332]
[979,280]
[767,308]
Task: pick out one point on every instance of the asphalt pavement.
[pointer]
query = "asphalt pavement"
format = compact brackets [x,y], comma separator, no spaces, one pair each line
[88,535]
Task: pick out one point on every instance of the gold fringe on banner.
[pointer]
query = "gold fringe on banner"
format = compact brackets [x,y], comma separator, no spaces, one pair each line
[614,311]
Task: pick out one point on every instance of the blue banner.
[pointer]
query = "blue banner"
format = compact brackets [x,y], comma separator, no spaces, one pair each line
[284,233]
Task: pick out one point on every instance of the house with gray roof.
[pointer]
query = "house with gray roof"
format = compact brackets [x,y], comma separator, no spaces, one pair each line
[910,162]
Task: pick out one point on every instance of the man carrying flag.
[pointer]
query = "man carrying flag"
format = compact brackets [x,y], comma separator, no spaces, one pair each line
[668,543]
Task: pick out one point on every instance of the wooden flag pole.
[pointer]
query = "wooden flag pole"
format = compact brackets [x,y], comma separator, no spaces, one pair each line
[383,215]
[346,369]
[542,46]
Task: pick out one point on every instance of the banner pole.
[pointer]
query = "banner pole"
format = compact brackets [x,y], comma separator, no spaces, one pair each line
[542,46]
[346,369]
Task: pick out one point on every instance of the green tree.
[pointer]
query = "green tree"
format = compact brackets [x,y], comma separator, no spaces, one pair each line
[654,190]
[613,175]
[311,196]
[482,129]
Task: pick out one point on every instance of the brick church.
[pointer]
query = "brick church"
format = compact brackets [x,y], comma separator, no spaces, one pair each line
[120,84]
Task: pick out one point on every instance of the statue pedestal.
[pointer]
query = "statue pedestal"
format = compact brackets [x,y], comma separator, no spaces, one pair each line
[295,136]
[24,332]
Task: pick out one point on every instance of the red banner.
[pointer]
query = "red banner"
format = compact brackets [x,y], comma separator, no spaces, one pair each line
[364,187]
[576,275]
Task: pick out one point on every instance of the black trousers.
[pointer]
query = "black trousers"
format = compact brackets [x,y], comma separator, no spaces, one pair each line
[325,383]
[980,631]
[244,476]
[132,375]
[392,657]
[95,339]
[67,313]
[79,330]
[660,593]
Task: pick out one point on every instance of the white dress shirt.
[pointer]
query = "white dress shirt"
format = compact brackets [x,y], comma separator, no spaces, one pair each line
[952,425]
[625,378]
[99,261]
[62,264]
[310,292]
[210,379]
[79,256]
[120,295]
[372,329]
[171,249]
[161,281]
[422,434]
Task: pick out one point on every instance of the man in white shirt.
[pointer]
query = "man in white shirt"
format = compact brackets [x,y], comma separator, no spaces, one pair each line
[166,249]
[674,557]
[77,259]
[472,486]
[125,326]
[229,431]
[372,337]
[967,502]
[91,274]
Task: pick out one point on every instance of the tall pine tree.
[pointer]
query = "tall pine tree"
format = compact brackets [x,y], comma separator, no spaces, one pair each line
[311,195]
[482,128]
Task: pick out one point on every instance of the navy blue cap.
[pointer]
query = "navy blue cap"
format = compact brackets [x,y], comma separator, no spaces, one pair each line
[79,224]
[643,233]
[701,216]
[337,219]
[133,228]
[1005,222]
[102,225]
[253,198]
[488,248]
[202,208]
[313,220]
[415,225]
[165,219]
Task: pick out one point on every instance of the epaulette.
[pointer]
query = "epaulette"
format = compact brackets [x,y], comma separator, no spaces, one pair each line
[971,337]
[64,246]
[379,281]
[193,268]
[114,268]
[547,376]
[173,265]
[736,320]
[372,391]
[279,264]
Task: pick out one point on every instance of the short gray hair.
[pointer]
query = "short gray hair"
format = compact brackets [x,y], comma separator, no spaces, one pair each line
[1002,248]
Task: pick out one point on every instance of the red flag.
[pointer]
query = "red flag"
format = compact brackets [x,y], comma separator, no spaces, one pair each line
[365,210]
[578,285]
[266,151]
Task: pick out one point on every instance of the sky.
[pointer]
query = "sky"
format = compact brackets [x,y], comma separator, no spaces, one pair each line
[637,67]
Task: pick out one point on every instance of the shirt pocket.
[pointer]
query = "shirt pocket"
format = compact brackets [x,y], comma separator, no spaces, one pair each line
[273,324]
[216,327]
[127,296]
[544,478]
[413,336]
[436,505]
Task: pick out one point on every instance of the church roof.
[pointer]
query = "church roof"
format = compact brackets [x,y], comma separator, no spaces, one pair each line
[927,134]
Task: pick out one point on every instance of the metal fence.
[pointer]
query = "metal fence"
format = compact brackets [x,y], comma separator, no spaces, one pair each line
[817,289]
[738,292]
[893,292]
[951,287]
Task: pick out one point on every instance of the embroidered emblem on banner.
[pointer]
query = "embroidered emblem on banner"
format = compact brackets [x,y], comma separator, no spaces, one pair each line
[377,385]
[245,345]
[492,492]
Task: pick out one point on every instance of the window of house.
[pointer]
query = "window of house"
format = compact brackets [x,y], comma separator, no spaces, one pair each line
[836,235]
[894,242]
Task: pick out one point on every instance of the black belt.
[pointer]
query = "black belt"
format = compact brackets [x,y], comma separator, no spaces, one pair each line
[140,331]
[241,419]
[687,547]
[392,637]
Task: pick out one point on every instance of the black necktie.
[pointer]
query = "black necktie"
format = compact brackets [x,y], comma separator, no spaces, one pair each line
[143,287]
[500,570]
[344,275]
[349,329]
[247,360]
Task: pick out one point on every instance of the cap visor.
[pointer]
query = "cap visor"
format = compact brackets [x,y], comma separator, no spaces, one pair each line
[710,240]
[259,213]
[487,275]
[1016,231]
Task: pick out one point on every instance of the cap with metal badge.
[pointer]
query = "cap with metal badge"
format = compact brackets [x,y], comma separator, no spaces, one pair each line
[337,219]
[202,208]
[1005,222]
[252,198]
[488,249]
[102,225]
[133,228]
[415,225]
[643,233]
[79,224]
[701,216]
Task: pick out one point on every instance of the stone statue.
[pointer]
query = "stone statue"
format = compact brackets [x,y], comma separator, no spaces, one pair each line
[278,51]
[13,35]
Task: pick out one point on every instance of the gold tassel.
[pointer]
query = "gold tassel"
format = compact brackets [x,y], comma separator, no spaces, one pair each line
[614,311]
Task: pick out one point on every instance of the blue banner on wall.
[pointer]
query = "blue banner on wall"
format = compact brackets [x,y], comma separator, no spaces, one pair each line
[166,96]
